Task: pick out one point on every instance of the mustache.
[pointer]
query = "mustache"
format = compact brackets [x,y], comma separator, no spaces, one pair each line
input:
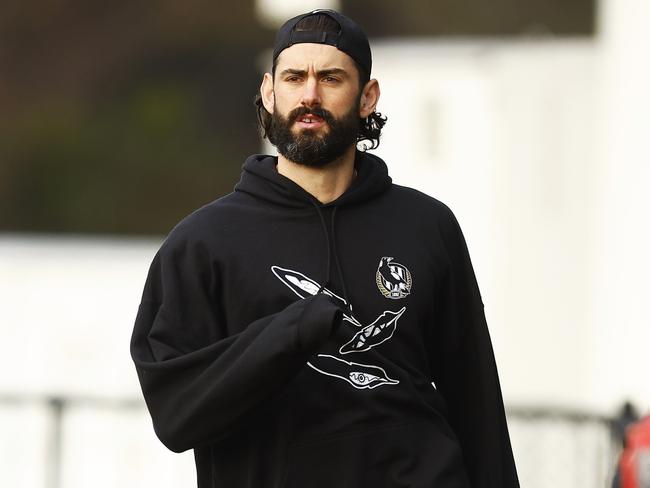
[318,111]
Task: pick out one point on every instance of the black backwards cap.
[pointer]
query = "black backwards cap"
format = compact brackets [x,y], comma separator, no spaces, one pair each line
[350,38]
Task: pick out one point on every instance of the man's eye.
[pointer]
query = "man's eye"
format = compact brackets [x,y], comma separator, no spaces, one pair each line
[330,79]
[293,78]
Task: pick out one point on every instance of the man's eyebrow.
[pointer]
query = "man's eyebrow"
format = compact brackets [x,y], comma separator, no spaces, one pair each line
[323,72]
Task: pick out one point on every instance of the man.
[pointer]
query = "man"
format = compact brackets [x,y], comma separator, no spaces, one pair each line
[290,331]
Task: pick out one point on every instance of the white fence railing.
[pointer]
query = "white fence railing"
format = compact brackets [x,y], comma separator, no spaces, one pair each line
[75,442]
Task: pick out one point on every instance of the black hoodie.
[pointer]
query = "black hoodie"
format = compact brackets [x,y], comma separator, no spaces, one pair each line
[294,344]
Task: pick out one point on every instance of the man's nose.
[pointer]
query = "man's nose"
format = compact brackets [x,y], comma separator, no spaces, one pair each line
[311,93]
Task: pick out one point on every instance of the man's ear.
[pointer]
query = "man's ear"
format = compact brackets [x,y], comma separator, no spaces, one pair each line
[266,90]
[369,98]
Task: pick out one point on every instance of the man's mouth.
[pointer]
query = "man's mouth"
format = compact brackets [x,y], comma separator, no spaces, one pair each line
[310,121]
[310,118]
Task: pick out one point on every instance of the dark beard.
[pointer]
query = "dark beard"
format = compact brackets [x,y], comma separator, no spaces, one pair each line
[308,147]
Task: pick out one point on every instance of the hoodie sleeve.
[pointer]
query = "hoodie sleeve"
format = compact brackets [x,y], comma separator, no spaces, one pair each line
[198,381]
[464,368]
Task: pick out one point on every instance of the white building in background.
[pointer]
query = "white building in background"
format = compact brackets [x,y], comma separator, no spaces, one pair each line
[539,147]
[275,12]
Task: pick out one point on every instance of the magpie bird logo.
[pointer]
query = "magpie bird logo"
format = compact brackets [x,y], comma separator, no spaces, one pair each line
[393,279]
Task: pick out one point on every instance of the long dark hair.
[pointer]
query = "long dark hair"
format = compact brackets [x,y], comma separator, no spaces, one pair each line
[369,128]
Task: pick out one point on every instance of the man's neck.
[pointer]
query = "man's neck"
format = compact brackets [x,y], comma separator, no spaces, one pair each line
[326,183]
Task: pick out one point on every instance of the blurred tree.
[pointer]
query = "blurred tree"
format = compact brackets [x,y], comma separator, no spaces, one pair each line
[123,117]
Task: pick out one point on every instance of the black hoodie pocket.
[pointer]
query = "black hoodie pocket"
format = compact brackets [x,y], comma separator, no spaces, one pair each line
[407,455]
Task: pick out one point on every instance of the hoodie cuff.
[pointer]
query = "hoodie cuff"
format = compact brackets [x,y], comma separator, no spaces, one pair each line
[319,319]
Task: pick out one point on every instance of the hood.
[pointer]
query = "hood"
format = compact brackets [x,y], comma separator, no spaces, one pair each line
[261,179]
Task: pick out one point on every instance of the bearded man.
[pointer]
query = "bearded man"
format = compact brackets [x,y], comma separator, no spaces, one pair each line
[321,326]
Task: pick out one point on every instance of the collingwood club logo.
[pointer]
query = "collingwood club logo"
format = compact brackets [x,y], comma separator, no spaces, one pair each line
[393,279]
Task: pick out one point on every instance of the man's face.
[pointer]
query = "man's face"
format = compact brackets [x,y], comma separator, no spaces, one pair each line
[315,116]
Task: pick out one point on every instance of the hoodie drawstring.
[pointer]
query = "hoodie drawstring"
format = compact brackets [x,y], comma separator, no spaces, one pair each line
[338,265]
[326,283]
